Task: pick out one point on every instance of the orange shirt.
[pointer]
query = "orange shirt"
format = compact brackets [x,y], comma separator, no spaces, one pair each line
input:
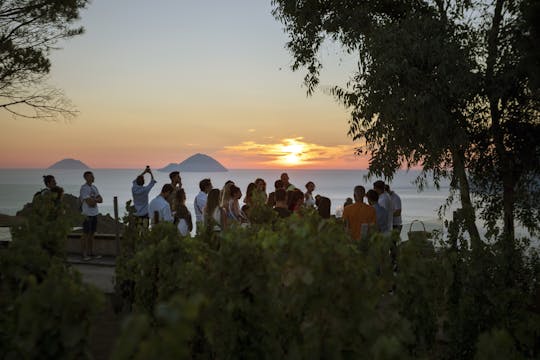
[357,214]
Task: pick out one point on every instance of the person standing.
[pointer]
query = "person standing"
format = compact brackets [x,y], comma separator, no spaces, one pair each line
[205,185]
[159,208]
[382,215]
[176,183]
[182,215]
[397,223]
[309,201]
[50,182]
[215,217]
[384,200]
[281,207]
[271,202]
[359,217]
[90,198]
[140,194]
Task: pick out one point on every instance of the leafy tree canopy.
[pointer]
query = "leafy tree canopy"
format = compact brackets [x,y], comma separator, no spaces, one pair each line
[29,31]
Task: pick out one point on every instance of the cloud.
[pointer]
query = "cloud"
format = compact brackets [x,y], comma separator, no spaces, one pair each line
[290,152]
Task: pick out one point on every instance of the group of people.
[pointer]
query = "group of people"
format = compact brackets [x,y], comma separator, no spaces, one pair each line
[219,208]
[216,209]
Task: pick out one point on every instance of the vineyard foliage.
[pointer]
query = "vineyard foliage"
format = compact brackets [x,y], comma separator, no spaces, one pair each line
[45,308]
[300,288]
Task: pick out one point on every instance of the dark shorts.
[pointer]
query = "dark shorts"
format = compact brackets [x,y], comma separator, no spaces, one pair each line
[90,225]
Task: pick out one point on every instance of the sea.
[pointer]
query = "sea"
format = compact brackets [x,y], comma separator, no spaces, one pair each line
[17,187]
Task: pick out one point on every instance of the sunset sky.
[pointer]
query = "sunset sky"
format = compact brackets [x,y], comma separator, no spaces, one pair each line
[157,81]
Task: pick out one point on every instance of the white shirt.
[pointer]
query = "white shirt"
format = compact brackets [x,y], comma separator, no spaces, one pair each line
[309,200]
[160,205]
[89,192]
[386,202]
[199,204]
[396,202]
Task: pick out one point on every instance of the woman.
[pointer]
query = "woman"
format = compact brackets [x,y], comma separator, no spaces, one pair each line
[248,198]
[234,212]
[225,193]
[214,216]
[261,188]
[309,201]
[182,216]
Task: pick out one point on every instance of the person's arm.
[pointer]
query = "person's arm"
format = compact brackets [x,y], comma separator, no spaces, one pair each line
[98,197]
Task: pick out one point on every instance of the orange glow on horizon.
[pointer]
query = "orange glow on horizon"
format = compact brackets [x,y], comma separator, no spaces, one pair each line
[294,153]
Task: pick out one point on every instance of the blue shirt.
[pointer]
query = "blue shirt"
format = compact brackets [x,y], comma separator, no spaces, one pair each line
[382,218]
[140,197]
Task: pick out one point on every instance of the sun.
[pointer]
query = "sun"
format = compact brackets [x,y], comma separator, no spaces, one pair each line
[292,152]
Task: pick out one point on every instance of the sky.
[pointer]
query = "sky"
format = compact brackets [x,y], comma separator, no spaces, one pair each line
[155,82]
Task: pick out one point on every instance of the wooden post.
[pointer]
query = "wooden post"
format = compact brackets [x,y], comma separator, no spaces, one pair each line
[116,226]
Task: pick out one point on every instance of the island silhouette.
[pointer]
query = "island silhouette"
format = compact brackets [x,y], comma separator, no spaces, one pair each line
[196,163]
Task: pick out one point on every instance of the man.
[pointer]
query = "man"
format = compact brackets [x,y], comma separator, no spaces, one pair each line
[176,183]
[90,198]
[384,200]
[286,184]
[159,208]
[281,204]
[140,194]
[396,202]
[382,215]
[205,185]
[359,217]
[50,182]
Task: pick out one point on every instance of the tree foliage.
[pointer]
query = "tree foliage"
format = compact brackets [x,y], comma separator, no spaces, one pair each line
[448,85]
[29,31]
[301,288]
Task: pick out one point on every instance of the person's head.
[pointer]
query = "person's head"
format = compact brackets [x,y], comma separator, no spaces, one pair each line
[176,180]
[359,193]
[310,186]
[249,192]
[324,207]
[49,181]
[372,197]
[387,188]
[285,179]
[236,193]
[278,184]
[281,196]
[212,202]
[89,177]
[348,202]
[205,185]
[317,199]
[226,192]
[139,180]
[261,184]
[166,190]
[378,186]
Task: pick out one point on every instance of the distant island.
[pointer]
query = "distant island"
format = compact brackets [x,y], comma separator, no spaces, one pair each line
[196,163]
[69,164]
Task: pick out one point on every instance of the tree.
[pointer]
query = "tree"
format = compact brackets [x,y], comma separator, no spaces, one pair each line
[29,31]
[448,85]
